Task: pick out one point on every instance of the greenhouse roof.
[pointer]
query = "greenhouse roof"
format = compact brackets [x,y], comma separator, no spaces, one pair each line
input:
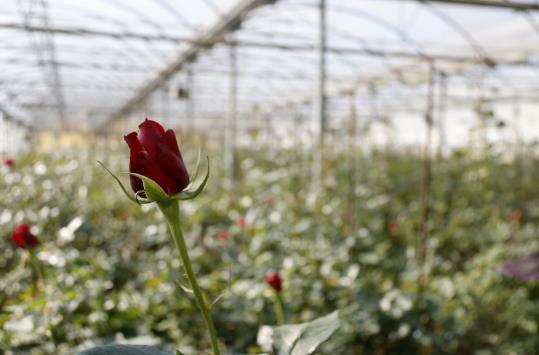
[81,65]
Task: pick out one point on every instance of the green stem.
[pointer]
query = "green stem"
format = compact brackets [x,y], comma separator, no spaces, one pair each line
[278,308]
[172,214]
[37,276]
[36,265]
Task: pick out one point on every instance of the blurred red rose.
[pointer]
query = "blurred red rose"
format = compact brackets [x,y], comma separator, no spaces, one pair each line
[275,281]
[515,216]
[223,235]
[241,221]
[8,162]
[392,226]
[156,155]
[23,238]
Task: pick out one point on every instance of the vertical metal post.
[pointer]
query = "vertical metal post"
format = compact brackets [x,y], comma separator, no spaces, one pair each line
[426,182]
[4,132]
[165,101]
[230,131]
[36,12]
[320,91]
[352,121]
[516,127]
[442,108]
[4,128]
[368,141]
[268,130]
[352,161]
[190,104]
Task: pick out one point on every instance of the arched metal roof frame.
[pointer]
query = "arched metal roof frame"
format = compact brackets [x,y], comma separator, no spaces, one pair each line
[127,51]
[277,80]
[337,32]
[302,101]
[247,27]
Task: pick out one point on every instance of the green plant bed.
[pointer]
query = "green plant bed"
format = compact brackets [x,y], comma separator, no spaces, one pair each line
[109,275]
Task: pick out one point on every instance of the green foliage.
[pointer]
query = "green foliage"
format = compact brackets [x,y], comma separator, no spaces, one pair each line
[111,272]
[116,349]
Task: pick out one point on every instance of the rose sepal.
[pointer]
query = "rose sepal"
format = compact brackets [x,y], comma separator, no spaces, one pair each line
[189,194]
[152,190]
[129,196]
[197,170]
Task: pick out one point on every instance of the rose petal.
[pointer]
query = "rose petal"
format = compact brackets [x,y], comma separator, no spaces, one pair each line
[30,240]
[173,165]
[150,134]
[134,145]
[22,228]
[22,237]
[169,139]
[18,239]
[135,166]
[144,165]
[155,154]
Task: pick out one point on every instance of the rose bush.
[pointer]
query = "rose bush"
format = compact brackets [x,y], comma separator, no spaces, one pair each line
[109,275]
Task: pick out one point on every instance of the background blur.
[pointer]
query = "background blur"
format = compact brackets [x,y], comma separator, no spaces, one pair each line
[380,154]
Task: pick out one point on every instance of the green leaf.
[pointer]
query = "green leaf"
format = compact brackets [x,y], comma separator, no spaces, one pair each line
[301,339]
[117,349]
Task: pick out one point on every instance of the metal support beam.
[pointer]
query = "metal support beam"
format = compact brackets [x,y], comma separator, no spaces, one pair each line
[208,43]
[56,79]
[367,52]
[37,11]
[421,249]
[320,94]
[165,101]
[383,78]
[13,113]
[84,32]
[190,103]
[442,108]
[224,25]
[352,121]
[320,112]
[231,123]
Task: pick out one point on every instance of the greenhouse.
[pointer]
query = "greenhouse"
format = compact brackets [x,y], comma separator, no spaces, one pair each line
[281,177]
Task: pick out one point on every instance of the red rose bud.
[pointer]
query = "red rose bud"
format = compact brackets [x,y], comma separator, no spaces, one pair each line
[23,238]
[223,235]
[392,226]
[514,217]
[275,281]
[241,221]
[155,154]
[8,162]
[518,216]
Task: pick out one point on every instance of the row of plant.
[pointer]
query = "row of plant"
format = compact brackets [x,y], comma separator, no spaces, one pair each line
[109,272]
